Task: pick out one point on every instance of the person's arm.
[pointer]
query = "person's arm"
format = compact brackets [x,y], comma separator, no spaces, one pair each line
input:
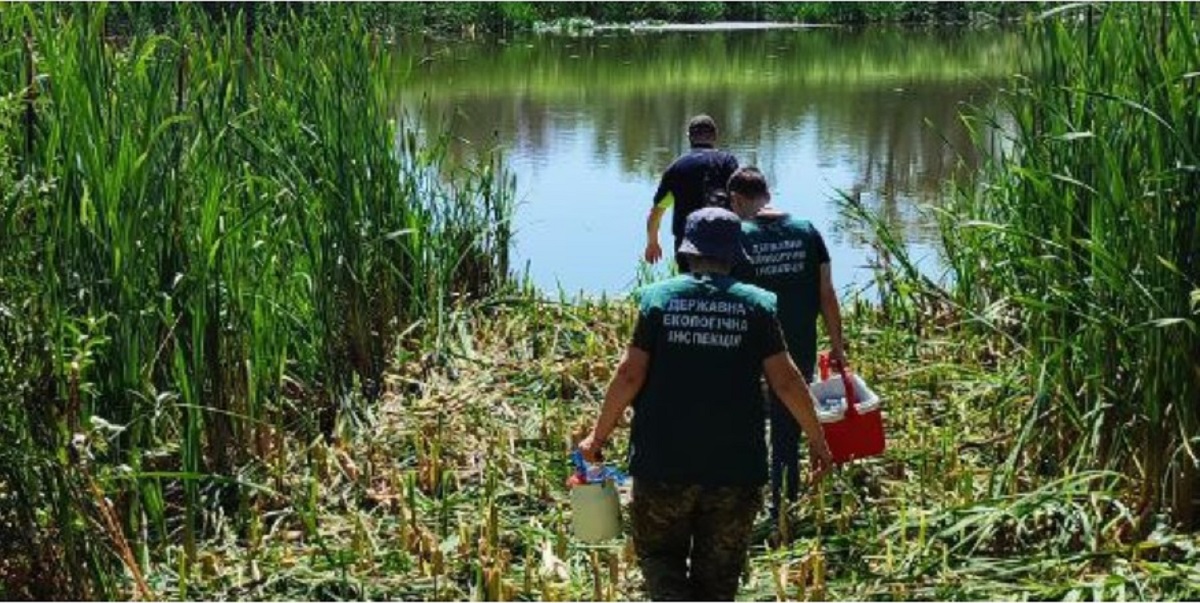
[653,222]
[832,313]
[787,383]
[663,198]
[624,387]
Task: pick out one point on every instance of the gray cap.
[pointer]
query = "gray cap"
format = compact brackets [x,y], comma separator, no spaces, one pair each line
[714,232]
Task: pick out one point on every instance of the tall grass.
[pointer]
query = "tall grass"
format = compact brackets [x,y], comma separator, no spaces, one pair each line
[212,238]
[1081,253]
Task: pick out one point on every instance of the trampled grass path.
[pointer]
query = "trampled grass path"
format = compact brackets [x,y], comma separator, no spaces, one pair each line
[453,487]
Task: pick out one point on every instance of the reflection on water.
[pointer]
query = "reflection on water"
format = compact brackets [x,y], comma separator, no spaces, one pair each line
[588,124]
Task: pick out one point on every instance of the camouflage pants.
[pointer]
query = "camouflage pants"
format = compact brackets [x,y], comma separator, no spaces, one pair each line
[674,524]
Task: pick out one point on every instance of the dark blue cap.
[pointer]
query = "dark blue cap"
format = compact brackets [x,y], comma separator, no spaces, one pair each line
[714,232]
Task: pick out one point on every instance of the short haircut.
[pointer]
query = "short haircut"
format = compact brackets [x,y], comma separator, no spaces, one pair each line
[701,126]
[748,182]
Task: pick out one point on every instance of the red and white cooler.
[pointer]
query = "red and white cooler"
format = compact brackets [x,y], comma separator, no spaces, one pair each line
[849,414]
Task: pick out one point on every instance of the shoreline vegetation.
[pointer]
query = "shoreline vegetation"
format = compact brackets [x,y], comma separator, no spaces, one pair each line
[472,18]
[259,340]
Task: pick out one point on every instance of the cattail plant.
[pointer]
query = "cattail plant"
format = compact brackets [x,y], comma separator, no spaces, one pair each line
[239,233]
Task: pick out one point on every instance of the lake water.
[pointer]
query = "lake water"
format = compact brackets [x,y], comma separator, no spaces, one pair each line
[588,123]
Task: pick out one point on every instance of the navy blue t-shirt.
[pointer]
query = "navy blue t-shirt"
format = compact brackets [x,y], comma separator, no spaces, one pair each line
[688,181]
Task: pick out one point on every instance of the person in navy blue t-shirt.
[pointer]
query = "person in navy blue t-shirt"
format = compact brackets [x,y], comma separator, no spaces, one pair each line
[691,182]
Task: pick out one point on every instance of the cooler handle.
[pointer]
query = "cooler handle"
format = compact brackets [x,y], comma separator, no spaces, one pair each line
[847,383]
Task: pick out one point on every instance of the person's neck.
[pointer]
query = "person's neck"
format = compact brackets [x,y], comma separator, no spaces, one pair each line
[749,213]
[704,144]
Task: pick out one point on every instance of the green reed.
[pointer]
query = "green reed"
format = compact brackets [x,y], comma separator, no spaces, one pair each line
[212,237]
[1089,234]
[1080,252]
[191,292]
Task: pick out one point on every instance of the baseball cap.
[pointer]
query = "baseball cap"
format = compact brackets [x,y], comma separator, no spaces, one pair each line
[714,232]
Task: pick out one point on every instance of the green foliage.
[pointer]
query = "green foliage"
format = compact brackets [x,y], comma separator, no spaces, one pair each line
[1081,250]
[448,17]
[210,240]
[518,15]
[897,12]
[1094,208]
[220,232]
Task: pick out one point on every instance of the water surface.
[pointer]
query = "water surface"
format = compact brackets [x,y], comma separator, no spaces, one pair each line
[588,124]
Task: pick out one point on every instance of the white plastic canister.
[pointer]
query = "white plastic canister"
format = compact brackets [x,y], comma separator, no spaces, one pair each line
[595,511]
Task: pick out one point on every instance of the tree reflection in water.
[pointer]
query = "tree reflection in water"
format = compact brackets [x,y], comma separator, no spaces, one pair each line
[881,105]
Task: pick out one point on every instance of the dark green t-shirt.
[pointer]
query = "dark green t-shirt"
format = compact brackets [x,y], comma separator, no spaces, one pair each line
[699,417]
[786,254]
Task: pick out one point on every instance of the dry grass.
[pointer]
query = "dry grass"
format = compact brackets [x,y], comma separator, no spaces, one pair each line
[453,488]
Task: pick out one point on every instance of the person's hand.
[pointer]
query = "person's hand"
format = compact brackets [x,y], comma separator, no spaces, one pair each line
[592,448]
[653,252]
[822,462]
[837,359]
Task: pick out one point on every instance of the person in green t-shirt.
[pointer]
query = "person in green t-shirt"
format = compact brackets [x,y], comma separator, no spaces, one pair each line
[693,372]
[787,256]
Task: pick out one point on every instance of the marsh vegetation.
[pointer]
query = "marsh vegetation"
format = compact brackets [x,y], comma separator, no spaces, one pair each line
[259,338]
